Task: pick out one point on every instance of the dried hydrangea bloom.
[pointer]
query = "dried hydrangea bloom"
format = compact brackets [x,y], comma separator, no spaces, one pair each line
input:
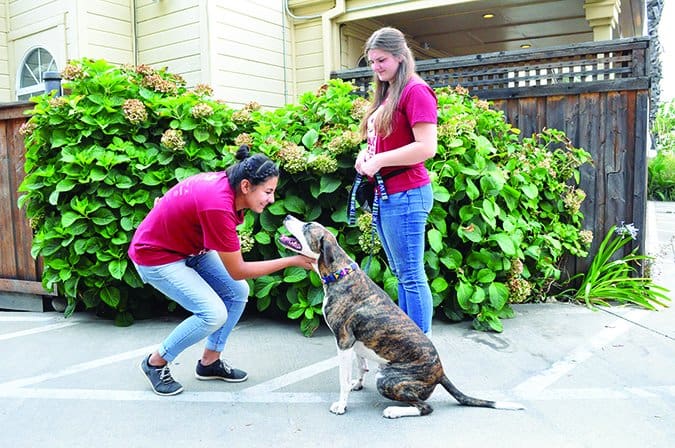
[201,110]
[586,237]
[173,139]
[27,128]
[134,111]
[203,90]
[159,84]
[243,139]
[72,72]
[519,289]
[292,158]
[323,164]
[246,241]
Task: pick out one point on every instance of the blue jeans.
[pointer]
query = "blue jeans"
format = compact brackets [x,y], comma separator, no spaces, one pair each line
[401,228]
[201,285]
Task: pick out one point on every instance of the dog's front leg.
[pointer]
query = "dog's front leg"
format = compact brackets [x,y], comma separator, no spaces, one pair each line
[345,362]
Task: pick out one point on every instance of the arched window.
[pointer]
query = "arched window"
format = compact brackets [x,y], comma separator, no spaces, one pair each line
[37,62]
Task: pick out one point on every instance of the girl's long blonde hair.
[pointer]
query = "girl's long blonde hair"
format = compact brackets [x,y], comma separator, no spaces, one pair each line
[392,41]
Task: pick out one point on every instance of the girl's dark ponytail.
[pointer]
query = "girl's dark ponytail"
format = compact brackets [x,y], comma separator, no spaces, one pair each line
[256,168]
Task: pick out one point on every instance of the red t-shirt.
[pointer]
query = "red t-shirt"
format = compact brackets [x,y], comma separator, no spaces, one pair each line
[418,104]
[195,215]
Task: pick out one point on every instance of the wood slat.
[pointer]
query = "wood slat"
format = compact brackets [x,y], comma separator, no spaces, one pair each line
[24,287]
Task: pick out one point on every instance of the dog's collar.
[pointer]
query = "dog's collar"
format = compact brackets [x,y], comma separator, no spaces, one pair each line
[337,275]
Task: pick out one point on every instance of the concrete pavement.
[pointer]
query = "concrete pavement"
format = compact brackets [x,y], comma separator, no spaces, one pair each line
[588,379]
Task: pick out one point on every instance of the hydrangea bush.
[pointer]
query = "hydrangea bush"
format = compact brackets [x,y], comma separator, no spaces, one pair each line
[506,209]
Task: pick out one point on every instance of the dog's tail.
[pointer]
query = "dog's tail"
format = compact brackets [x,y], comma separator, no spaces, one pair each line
[466,400]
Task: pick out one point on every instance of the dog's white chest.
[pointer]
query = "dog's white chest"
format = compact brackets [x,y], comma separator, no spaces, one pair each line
[367,353]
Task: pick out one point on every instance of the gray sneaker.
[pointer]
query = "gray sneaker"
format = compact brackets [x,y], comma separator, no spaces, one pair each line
[220,370]
[160,379]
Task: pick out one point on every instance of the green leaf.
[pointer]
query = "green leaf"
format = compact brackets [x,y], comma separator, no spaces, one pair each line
[439,284]
[478,296]
[505,242]
[117,268]
[472,233]
[530,191]
[471,191]
[309,326]
[65,185]
[201,134]
[103,217]
[486,276]
[464,294]
[265,284]
[452,259]
[277,208]
[310,138]
[296,310]
[294,274]
[68,218]
[111,296]
[295,204]
[124,319]
[435,240]
[329,184]
[498,294]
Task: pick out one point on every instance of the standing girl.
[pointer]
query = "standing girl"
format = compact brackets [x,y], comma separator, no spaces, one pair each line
[400,128]
[187,248]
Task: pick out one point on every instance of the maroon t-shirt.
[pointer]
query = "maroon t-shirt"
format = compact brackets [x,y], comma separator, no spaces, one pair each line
[195,215]
[418,104]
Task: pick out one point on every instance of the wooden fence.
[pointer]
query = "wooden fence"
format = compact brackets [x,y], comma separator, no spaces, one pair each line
[20,274]
[597,93]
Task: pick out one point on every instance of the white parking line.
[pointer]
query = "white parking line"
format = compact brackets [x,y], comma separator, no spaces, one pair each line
[367,395]
[25,318]
[293,377]
[96,363]
[536,384]
[36,330]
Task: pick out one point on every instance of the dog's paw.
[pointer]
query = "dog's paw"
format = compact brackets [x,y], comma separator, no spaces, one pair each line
[400,411]
[357,385]
[338,408]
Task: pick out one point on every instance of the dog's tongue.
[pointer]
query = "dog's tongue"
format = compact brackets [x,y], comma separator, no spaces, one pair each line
[290,242]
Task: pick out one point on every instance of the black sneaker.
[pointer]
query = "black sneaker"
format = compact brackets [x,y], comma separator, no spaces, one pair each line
[220,370]
[160,379]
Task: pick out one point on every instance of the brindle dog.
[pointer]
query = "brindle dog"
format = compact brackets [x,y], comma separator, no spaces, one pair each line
[368,324]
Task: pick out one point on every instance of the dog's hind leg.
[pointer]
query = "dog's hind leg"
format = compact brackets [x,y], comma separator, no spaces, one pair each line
[395,384]
[362,366]
[415,409]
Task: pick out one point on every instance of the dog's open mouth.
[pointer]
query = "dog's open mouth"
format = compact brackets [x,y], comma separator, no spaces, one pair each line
[290,242]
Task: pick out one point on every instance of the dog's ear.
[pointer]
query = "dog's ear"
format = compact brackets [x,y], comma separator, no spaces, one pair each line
[327,256]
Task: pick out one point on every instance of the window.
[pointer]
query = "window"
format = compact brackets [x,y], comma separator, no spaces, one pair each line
[33,67]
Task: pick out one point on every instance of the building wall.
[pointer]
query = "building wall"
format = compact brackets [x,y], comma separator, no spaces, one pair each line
[251,53]
[68,29]
[169,34]
[32,24]
[4,54]
[107,29]
[241,49]
[309,70]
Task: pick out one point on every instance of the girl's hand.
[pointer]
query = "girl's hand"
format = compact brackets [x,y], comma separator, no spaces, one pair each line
[370,167]
[360,160]
[303,261]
